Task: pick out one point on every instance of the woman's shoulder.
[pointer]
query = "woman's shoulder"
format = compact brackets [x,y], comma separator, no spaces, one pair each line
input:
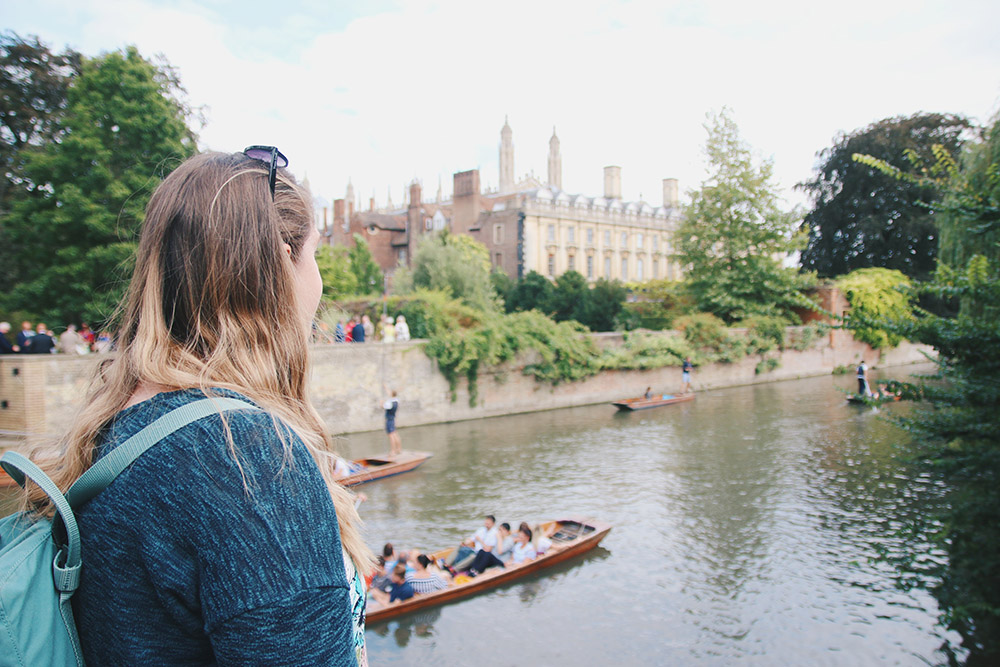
[238,411]
[241,434]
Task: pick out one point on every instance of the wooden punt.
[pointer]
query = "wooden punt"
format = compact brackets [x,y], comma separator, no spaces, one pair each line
[642,403]
[377,467]
[870,400]
[571,536]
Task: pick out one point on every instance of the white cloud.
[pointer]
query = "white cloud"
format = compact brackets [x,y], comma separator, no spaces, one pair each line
[421,90]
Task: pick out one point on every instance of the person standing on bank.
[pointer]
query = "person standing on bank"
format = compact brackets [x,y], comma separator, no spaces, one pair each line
[229,541]
[391,405]
[686,369]
[5,345]
[358,333]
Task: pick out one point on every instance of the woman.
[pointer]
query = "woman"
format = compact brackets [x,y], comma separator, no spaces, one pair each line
[523,550]
[228,542]
[422,580]
[402,329]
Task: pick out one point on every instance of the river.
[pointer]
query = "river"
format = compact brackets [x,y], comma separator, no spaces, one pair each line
[745,529]
[746,525]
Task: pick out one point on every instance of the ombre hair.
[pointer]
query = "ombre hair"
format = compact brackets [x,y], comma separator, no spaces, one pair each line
[212,304]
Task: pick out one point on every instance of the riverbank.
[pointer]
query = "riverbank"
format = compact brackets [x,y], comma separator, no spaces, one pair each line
[39,395]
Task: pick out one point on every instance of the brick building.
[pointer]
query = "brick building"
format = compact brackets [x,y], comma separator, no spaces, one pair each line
[527,225]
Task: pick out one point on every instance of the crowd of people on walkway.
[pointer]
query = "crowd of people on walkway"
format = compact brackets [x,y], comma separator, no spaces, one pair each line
[399,575]
[39,339]
[361,329]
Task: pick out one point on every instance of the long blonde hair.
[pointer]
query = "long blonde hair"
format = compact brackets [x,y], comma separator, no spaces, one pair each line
[212,303]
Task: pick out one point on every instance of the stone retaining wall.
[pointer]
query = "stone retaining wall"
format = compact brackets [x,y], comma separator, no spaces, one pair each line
[39,395]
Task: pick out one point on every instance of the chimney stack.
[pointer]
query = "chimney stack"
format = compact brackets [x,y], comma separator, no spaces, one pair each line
[465,208]
[670,196]
[338,212]
[612,182]
[415,194]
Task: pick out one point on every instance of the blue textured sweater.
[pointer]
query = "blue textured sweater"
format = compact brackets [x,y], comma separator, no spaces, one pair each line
[182,566]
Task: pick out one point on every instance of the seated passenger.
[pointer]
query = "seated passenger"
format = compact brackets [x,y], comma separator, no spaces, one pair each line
[523,551]
[379,580]
[422,580]
[485,536]
[341,468]
[884,393]
[649,393]
[486,559]
[393,557]
[542,544]
[399,590]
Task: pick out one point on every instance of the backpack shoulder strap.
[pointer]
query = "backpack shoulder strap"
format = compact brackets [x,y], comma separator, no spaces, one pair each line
[102,473]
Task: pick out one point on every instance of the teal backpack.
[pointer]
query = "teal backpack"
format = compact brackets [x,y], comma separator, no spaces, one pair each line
[40,558]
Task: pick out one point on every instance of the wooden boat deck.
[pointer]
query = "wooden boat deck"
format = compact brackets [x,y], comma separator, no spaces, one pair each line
[571,536]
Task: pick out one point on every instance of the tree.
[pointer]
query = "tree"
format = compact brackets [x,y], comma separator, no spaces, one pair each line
[34,82]
[969,213]
[503,286]
[456,264]
[659,303]
[569,295]
[601,309]
[863,218]
[734,234]
[533,292]
[876,295]
[366,270]
[76,228]
[954,426]
[335,268]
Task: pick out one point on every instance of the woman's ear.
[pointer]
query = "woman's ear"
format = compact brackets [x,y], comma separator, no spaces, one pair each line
[288,249]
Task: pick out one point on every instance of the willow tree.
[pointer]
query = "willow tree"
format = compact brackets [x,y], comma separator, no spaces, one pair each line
[735,234]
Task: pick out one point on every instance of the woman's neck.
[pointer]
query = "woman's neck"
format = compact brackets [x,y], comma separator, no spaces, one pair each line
[145,391]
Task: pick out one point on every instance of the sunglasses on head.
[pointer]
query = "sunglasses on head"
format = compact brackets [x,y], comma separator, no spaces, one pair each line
[274,158]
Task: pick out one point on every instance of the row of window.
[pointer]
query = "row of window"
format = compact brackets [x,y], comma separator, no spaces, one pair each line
[639,275]
[640,239]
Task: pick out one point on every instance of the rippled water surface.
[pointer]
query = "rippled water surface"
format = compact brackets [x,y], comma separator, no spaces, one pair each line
[744,527]
[745,524]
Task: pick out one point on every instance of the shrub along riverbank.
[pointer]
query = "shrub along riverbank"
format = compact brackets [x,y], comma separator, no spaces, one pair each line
[464,340]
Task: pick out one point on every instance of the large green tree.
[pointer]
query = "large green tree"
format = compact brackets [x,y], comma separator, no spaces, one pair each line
[534,291]
[456,264]
[366,270]
[339,279]
[863,218]
[76,227]
[955,425]
[969,213]
[33,86]
[735,233]
[604,304]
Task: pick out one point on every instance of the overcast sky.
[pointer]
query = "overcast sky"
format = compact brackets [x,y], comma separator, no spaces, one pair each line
[384,92]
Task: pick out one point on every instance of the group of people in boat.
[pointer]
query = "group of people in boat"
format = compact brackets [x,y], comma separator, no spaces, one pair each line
[883,392]
[399,575]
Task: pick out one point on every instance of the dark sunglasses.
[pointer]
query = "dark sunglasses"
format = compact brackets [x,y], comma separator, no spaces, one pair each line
[274,158]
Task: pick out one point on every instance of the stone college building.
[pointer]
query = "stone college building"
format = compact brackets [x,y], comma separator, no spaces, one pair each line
[527,225]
